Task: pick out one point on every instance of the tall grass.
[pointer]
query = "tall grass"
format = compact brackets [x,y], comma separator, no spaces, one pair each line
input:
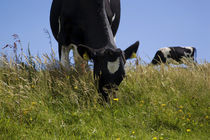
[41,100]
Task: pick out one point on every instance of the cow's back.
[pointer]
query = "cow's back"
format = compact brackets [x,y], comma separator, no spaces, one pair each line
[60,7]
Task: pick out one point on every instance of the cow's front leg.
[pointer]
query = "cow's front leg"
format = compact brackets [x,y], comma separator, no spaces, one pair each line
[65,56]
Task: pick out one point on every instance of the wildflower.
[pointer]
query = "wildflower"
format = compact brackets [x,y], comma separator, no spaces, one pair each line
[33,103]
[86,56]
[154,138]
[206,117]
[161,138]
[188,130]
[116,99]
[31,119]
[142,102]
[67,77]
[75,87]
[133,55]
[188,119]
[163,105]
[32,86]
[181,107]
[180,110]
[25,112]
[117,138]
[133,132]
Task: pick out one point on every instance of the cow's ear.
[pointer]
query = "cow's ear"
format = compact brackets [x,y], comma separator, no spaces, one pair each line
[130,52]
[85,52]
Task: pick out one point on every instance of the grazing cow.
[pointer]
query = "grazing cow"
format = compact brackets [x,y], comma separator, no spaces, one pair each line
[89,27]
[170,54]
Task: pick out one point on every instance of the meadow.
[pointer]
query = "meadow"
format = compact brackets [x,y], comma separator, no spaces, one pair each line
[41,100]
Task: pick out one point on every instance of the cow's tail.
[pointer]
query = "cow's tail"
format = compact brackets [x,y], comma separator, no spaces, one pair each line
[195,55]
[59,50]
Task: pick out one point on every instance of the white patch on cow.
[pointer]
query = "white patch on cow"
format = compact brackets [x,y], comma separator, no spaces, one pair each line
[65,55]
[166,53]
[113,66]
[188,54]
[190,48]
[113,18]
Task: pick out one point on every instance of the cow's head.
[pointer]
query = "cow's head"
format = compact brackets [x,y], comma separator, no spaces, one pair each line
[108,65]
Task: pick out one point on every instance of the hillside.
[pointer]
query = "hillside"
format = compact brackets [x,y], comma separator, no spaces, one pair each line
[41,101]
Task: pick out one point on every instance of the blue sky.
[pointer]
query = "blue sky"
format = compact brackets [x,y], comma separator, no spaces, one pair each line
[155,23]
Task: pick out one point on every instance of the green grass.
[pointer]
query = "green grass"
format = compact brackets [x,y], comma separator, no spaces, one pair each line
[170,103]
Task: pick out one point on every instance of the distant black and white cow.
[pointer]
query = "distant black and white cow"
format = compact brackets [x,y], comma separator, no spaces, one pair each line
[89,27]
[171,54]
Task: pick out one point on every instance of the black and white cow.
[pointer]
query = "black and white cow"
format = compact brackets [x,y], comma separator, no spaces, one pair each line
[89,27]
[171,54]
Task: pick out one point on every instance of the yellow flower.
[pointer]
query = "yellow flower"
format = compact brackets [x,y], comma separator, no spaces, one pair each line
[116,99]
[133,55]
[117,138]
[180,110]
[75,87]
[181,107]
[154,138]
[142,102]
[31,119]
[163,105]
[25,112]
[86,56]
[133,132]
[33,103]
[206,117]
[188,130]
